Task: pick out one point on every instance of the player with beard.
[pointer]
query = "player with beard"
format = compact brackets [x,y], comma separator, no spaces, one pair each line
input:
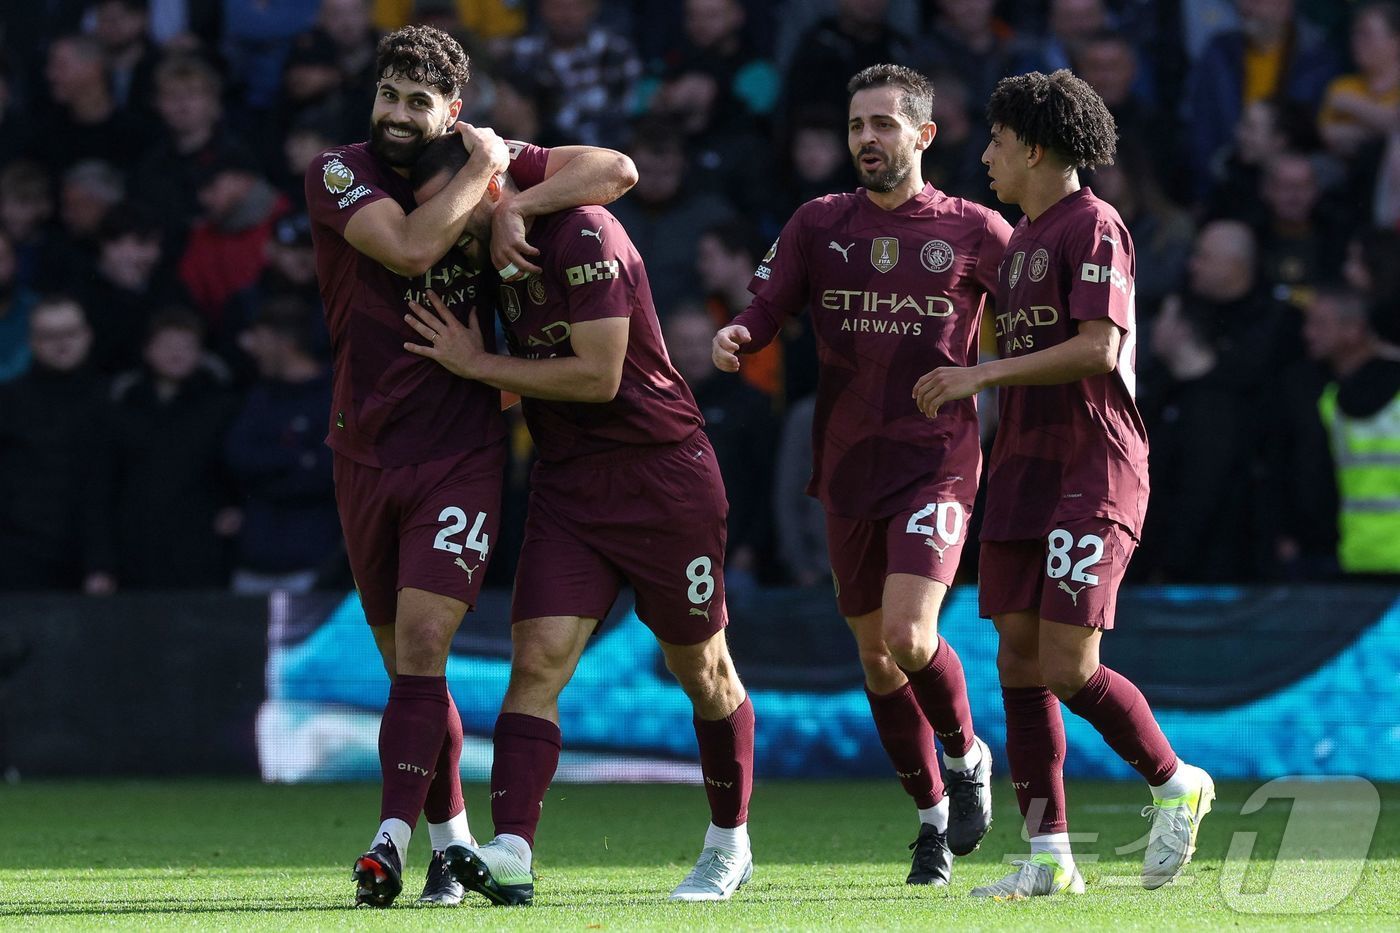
[419,454]
[894,275]
[626,489]
[1067,483]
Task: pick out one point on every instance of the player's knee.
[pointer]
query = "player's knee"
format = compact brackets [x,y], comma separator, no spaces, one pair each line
[1018,668]
[882,674]
[701,675]
[909,644]
[1064,677]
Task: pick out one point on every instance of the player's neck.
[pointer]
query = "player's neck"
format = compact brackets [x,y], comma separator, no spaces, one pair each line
[1044,193]
[889,200]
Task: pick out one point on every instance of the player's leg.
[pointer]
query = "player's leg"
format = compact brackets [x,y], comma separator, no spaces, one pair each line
[858,559]
[544,655]
[1009,591]
[1082,610]
[724,731]
[924,547]
[911,604]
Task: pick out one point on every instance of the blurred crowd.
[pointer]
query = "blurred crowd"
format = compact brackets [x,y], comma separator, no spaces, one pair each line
[164,382]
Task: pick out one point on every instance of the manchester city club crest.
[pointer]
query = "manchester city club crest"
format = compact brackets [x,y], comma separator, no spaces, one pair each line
[535,289]
[1040,264]
[337,177]
[937,256]
[884,253]
[510,303]
[1014,275]
[772,251]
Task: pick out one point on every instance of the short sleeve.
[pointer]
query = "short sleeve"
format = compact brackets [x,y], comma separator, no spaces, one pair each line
[995,235]
[338,184]
[599,267]
[1100,255]
[779,284]
[527,163]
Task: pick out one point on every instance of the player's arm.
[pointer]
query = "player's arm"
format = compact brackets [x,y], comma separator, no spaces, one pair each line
[409,243]
[592,374]
[1090,352]
[780,290]
[573,176]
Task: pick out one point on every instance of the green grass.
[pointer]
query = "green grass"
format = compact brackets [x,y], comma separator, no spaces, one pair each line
[830,855]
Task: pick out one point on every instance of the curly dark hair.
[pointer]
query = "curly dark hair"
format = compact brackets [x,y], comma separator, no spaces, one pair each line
[426,55]
[916,99]
[1058,112]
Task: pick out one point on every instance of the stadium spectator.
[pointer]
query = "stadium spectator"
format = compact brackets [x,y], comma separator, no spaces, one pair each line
[813,162]
[14,122]
[1067,422]
[81,119]
[1302,238]
[588,71]
[1255,335]
[330,69]
[51,421]
[15,304]
[275,454]
[1069,25]
[227,248]
[664,215]
[799,520]
[1265,129]
[952,166]
[740,425]
[967,39]
[290,272]
[256,37]
[122,29]
[1365,105]
[87,194]
[725,256]
[1203,433]
[1360,410]
[857,35]
[626,490]
[167,178]
[167,510]
[26,209]
[491,21]
[1273,54]
[1372,267]
[897,486]
[133,278]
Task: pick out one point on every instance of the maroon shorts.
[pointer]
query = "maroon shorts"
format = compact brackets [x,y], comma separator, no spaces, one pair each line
[1070,576]
[429,525]
[925,540]
[651,518]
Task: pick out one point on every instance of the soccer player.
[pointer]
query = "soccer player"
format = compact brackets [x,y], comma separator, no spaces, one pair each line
[1067,484]
[418,454]
[894,275]
[626,489]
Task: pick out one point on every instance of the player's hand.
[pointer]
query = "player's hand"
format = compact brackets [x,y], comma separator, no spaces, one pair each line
[724,351]
[454,346]
[485,146]
[946,384]
[510,253]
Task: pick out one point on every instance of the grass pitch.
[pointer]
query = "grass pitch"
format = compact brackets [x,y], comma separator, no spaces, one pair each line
[829,855]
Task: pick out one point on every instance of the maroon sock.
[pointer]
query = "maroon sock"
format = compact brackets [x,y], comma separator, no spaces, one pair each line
[410,737]
[908,740]
[445,792]
[527,755]
[726,761]
[1116,707]
[1035,749]
[942,693]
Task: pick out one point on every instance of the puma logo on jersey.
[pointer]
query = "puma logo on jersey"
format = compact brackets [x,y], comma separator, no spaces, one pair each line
[843,250]
[1108,239]
[1073,593]
[703,613]
[595,234]
[470,570]
[938,550]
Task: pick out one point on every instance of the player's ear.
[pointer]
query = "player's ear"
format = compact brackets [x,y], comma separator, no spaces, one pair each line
[926,134]
[453,109]
[1035,154]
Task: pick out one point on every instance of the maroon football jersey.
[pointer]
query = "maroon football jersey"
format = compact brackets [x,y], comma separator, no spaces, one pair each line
[391,408]
[892,295]
[1079,449]
[592,271]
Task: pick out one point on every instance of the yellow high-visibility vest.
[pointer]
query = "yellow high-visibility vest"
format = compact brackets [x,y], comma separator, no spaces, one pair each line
[1366,452]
